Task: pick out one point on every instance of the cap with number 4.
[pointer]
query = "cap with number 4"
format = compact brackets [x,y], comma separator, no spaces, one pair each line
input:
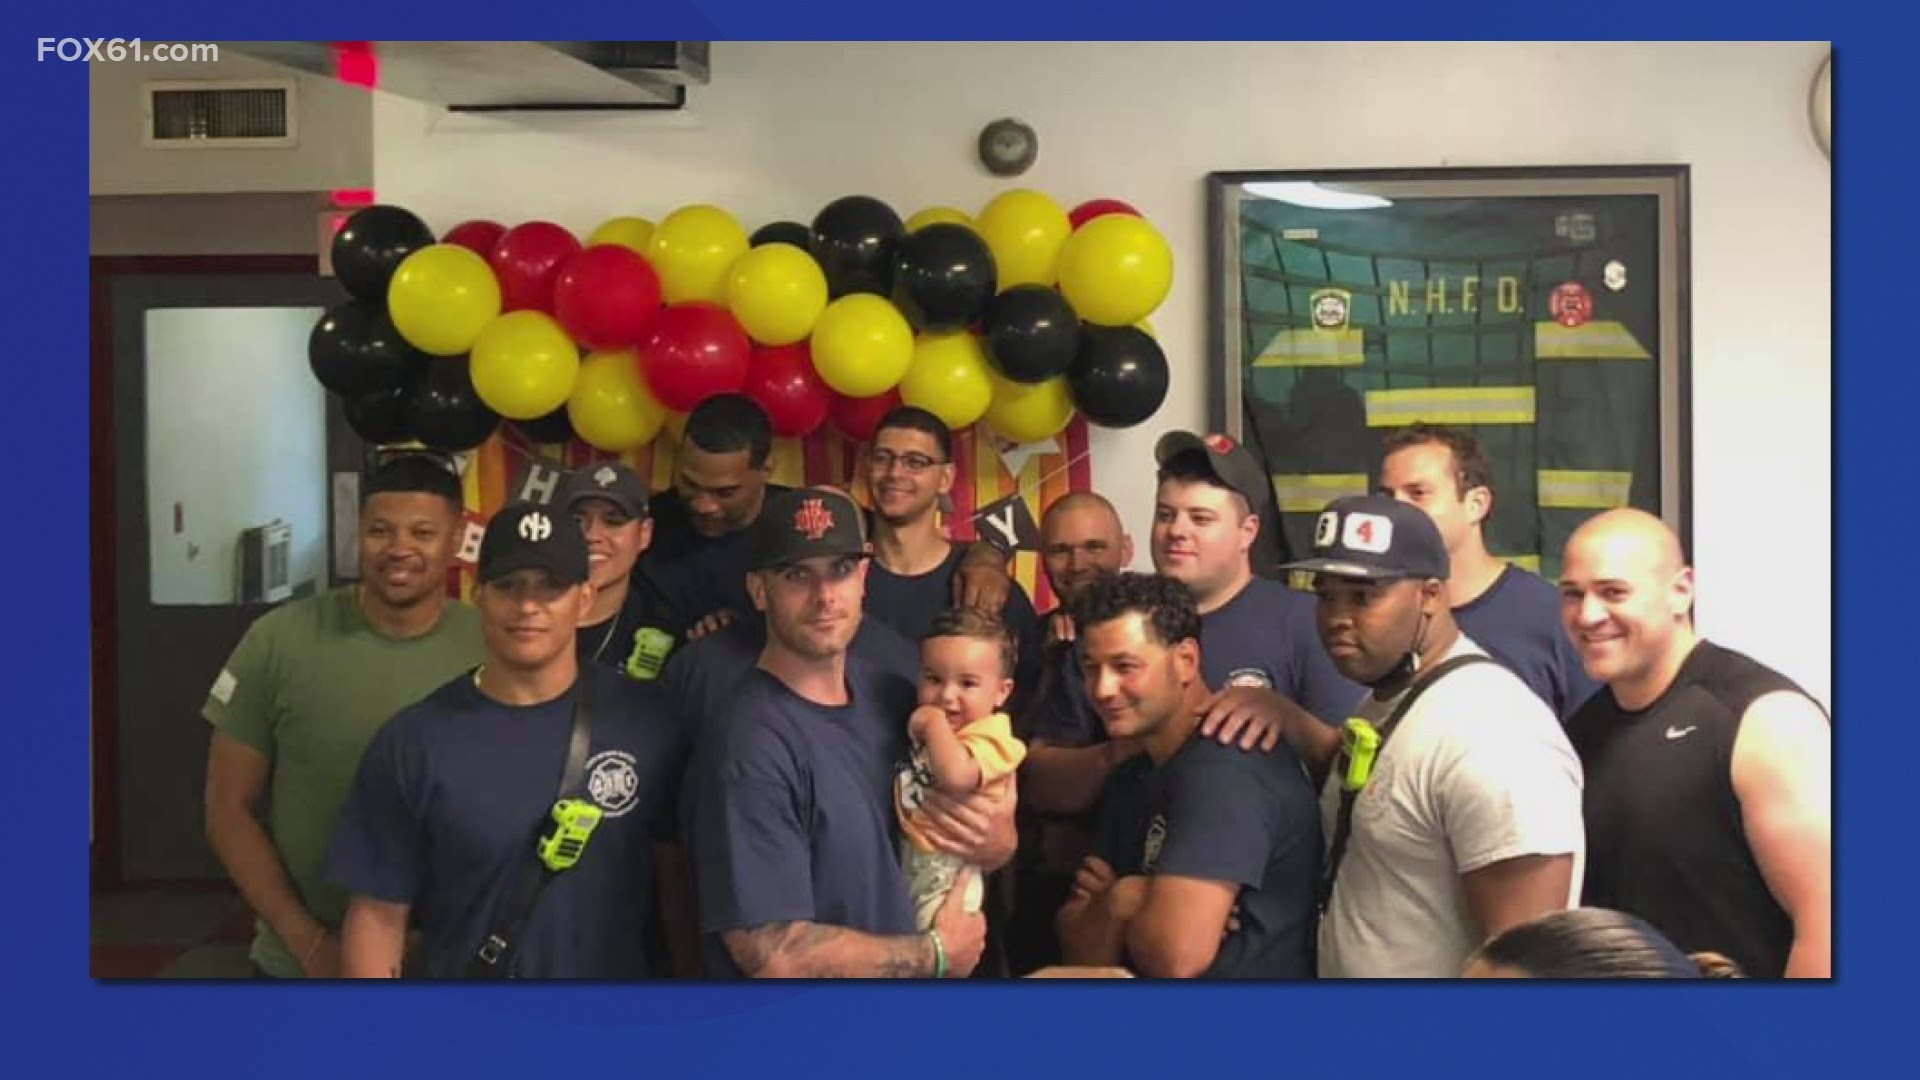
[1377,538]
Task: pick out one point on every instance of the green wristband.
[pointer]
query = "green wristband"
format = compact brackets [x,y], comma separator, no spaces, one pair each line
[939,955]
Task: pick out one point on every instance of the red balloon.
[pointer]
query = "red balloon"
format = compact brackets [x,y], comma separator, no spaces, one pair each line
[1094,208]
[859,418]
[527,260]
[782,381]
[694,352]
[478,236]
[606,297]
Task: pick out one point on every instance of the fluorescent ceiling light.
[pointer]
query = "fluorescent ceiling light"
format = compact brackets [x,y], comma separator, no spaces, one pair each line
[1314,197]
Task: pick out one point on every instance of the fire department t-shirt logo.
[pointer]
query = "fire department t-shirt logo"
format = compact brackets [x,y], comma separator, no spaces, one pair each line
[612,782]
[813,519]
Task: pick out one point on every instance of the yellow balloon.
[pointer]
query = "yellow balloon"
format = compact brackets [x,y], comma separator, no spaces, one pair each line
[693,248]
[948,378]
[1024,230]
[524,365]
[611,407]
[862,345]
[629,232]
[1026,412]
[777,292]
[1115,270]
[441,297]
[938,215]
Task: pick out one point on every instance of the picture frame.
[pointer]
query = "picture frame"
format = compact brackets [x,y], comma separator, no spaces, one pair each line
[1546,310]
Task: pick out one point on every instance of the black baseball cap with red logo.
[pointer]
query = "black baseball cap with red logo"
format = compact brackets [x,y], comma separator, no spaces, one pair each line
[1230,462]
[804,523]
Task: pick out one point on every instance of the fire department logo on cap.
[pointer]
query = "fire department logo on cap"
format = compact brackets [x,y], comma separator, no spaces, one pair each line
[1570,304]
[1331,308]
[605,476]
[535,527]
[1219,444]
[813,519]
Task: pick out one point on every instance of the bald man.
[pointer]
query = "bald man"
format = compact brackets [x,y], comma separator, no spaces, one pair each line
[1068,752]
[1709,790]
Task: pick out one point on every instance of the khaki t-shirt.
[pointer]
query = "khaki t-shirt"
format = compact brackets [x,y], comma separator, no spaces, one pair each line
[308,686]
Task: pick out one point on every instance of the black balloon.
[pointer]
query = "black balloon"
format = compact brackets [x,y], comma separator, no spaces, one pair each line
[354,350]
[555,427]
[380,417]
[783,232]
[1120,377]
[445,412]
[853,240]
[943,277]
[371,245]
[1032,333]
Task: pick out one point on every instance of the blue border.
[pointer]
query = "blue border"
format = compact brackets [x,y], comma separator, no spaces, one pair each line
[60,1019]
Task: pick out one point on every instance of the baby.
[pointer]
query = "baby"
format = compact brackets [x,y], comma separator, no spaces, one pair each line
[962,743]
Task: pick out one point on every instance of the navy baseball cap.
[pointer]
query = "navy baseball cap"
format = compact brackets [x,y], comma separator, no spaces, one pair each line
[1377,538]
[529,536]
[610,480]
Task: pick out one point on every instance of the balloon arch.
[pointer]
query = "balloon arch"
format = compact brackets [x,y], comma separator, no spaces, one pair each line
[531,351]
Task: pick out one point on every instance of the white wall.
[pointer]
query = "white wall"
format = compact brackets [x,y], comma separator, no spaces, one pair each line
[784,128]
[236,437]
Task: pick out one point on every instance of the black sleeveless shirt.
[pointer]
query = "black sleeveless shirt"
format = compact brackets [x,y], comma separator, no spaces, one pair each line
[1665,838]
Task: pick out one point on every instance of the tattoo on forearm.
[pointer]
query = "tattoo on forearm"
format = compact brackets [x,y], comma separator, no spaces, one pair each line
[812,950]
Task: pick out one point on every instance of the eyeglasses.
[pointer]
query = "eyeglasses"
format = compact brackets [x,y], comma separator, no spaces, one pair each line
[914,463]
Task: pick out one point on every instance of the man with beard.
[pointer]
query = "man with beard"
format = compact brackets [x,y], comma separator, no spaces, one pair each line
[722,477]
[1453,801]
[914,568]
[794,835]
[305,690]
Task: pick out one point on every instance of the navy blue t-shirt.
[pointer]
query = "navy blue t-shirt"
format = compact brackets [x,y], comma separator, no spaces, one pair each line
[1265,636]
[908,604]
[452,791]
[794,816]
[1061,713]
[704,675]
[1221,814]
[638,639]
[1517,620]
[696,575]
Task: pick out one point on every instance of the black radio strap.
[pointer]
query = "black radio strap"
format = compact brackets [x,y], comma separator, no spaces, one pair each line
[496,955]
[1343,827]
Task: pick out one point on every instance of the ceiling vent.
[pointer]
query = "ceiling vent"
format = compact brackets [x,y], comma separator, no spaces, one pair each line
[219,115]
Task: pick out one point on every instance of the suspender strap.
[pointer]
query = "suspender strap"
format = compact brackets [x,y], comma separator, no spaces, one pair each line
[496,955]
[1343,827]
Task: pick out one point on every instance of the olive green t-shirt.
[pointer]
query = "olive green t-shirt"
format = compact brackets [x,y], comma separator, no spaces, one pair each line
[308,686]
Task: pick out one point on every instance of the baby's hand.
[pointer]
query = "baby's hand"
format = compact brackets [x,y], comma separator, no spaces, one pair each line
[923,718]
